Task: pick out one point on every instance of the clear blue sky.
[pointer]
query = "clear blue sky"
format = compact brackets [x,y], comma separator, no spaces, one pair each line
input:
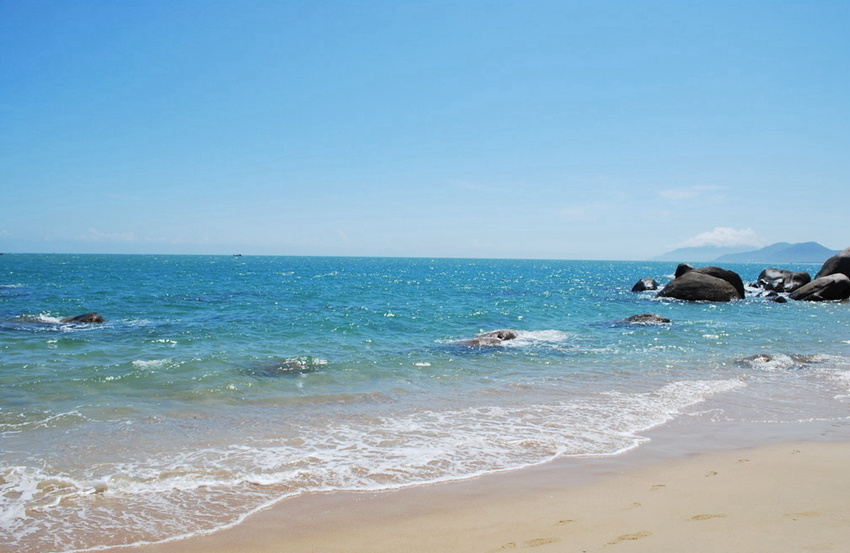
[532,129]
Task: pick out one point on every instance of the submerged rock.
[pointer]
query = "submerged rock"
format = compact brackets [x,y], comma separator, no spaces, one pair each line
[752,359]
[85,318]
[491,338]
[646,319]
[293,366]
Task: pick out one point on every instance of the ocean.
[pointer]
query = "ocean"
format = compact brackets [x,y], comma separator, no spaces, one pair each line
[219,385]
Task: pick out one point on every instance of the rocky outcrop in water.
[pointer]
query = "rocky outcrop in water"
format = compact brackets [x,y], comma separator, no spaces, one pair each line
[835,286]
[683,268]
[838,263]
[780,280]
[704,284]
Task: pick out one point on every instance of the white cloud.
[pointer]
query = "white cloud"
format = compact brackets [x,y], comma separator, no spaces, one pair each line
[724,237]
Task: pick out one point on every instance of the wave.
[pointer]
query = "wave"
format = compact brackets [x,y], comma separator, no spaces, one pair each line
[184,491]
[34,420]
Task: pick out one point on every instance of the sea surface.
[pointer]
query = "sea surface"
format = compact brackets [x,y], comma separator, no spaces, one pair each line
[219,385]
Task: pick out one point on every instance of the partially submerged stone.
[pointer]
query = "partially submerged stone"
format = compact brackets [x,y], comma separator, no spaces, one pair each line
[645,284]
[831,287]
[491,338]
[698,286]
[85,318]
[647,319]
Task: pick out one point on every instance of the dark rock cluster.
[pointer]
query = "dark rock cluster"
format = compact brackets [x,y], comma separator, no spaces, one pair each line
[715,284]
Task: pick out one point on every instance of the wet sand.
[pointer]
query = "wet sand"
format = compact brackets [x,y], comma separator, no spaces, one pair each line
[668,495]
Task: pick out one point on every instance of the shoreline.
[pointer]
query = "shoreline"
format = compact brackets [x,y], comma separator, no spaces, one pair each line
[697,486]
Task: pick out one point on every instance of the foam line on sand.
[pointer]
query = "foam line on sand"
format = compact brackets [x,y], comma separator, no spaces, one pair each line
[787,497]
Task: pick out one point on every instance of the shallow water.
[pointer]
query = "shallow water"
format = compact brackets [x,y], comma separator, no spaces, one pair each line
[221,384]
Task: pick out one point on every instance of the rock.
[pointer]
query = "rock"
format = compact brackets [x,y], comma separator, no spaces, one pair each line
[773,295]
[838,263]
[688,286]
[731,277]
[835,286]
[699,286]
[491,338]
[682,269]
[781,280]
[645,284]
[646,319]
[752,359]
[85,318]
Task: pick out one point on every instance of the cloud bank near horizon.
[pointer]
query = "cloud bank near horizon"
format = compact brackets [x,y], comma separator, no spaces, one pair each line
[725,237]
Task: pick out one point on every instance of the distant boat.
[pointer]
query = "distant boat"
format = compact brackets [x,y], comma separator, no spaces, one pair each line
[237,255]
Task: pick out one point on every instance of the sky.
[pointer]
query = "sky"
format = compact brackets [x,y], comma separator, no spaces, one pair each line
[506,129]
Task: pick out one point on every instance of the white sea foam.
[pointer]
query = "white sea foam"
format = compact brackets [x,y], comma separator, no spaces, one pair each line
[357,453]
[152,364]
[525,338]
[41,318]
[34,420]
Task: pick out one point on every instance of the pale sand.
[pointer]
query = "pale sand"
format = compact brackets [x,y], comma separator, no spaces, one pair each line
[788,497]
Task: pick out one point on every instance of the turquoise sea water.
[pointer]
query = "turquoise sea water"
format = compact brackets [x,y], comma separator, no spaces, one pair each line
[220,384]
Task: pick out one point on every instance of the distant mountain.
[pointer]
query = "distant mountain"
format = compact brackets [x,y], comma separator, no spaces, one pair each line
[782,252]
[702,254]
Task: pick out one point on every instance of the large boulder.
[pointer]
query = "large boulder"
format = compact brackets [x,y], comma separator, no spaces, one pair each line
[699,286]
[831,287]
[731,277]
[645,284]
[838,263]
[780,280]
[682,269]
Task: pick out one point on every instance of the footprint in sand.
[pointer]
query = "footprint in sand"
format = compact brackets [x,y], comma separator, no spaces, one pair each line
[566,521]
[711,473]
[804,514]
[633,506]
[657,487]
[743,460]
[630,537]
[540,541]
[707,516]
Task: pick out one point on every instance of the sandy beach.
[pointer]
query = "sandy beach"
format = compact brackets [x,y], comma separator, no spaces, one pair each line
[781,497]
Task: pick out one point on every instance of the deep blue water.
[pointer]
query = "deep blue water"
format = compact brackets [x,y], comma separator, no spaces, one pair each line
[221,384]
